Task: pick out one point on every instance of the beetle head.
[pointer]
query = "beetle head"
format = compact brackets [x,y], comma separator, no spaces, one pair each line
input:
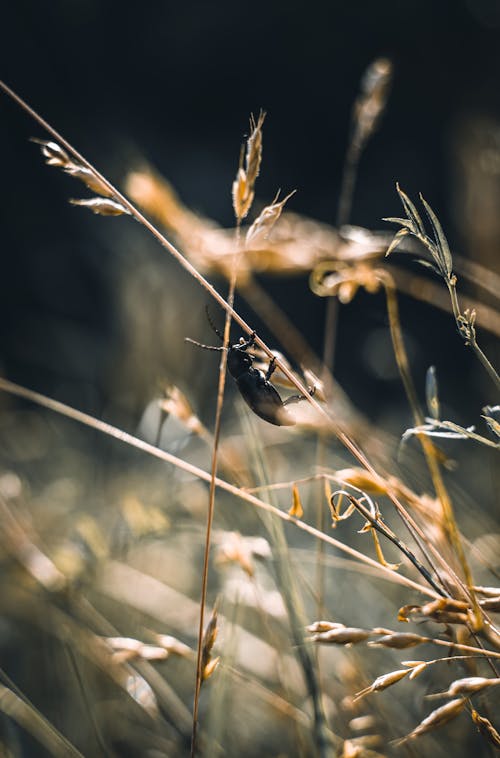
[238,360]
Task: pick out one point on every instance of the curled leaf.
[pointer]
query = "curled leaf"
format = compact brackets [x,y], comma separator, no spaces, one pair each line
[486,728]
[296,510]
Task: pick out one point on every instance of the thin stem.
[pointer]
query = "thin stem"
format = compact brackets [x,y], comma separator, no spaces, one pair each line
[129,439]
[451,283]
[379,525]
[211,497]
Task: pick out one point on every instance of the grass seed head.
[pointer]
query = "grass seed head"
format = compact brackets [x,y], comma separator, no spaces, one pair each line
[101,206]
[437,718]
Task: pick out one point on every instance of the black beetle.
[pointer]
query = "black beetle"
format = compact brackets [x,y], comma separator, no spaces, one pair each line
[254,386]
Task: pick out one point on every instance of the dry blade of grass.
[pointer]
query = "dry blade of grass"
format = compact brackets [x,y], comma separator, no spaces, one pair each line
[243,194]
[156,452]
[30,719]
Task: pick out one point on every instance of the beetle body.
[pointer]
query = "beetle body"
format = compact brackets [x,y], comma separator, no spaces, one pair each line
[255,388]
[254,385]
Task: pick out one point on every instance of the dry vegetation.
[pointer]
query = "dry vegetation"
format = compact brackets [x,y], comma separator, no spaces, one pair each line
[200,596]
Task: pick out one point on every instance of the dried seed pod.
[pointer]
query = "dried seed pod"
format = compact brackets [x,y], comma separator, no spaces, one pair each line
[53,153]
[417,670]
[208,665]
[173,646]
[342,636]
[128,648]
[88,177]
[241,194]
[470,685]
[382,682]
[324,626]
[101,206]
[399,640]
[437,718]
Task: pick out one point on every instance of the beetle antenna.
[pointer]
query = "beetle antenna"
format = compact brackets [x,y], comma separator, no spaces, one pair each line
[199,344]
[214,328]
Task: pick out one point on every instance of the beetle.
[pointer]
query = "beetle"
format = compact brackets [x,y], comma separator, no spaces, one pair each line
[254,385]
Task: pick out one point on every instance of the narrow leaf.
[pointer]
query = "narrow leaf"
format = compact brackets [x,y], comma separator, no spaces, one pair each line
[441,241]
[428,264]
[431,393]
[411,211]
[407,223]
[397,239]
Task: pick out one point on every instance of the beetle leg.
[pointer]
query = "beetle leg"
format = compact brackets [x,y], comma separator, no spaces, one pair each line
[270,370]
[298,398]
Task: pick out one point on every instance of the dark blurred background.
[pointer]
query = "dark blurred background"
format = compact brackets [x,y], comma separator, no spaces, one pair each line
[175,83]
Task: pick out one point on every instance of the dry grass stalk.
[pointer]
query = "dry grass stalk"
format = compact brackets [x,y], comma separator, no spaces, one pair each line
[240,493]
[30,719]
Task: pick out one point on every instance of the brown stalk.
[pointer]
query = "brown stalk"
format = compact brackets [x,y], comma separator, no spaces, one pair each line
[218,417]
[129,439]
[427,447]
